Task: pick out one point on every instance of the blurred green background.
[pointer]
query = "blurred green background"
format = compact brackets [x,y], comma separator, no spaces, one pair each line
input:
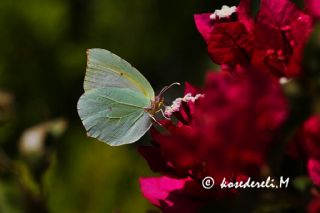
[47,164]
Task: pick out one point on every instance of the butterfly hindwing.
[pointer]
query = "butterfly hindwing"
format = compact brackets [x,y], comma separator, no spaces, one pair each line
[114,115]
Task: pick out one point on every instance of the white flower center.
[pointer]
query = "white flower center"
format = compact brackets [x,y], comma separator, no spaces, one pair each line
[224,12]
[176,104]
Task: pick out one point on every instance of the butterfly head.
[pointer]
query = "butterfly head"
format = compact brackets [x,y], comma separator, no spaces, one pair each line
[158,102]
[156,105]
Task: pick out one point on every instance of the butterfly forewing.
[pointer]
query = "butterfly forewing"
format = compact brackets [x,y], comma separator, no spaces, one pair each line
[115,116]
[105,69]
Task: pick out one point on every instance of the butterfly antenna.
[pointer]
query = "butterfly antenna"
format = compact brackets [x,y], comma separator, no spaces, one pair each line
[164,89]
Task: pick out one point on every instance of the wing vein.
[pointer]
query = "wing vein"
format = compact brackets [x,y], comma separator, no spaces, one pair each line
[119,102]
[117,71]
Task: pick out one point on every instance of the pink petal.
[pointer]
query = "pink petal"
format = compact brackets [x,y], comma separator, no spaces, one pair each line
[168,194]
[203,24]
[189,88]
[314,171]
[313,7]
[244,14]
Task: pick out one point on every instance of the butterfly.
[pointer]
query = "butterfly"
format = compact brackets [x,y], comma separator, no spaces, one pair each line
[119,104]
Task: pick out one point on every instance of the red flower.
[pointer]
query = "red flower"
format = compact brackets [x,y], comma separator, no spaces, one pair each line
[314,205]
[307,141]
[227,134]
[306,144]
[313,8]
[228,39]
[273,43]
[314,170]
[236,121]
[281,32]
[154,155]
[173,195]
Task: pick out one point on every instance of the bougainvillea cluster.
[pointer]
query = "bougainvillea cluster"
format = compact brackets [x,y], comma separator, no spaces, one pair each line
[273,41]
[227,128]
[306,145]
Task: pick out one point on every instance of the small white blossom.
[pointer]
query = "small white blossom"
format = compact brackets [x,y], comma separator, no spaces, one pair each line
[224,12]
[284,80]
[32,140]
[176,104]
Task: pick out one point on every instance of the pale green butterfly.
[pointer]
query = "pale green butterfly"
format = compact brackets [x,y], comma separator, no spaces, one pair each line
[119,104]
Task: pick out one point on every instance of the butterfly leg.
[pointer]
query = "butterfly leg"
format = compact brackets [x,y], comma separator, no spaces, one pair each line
[155,120]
